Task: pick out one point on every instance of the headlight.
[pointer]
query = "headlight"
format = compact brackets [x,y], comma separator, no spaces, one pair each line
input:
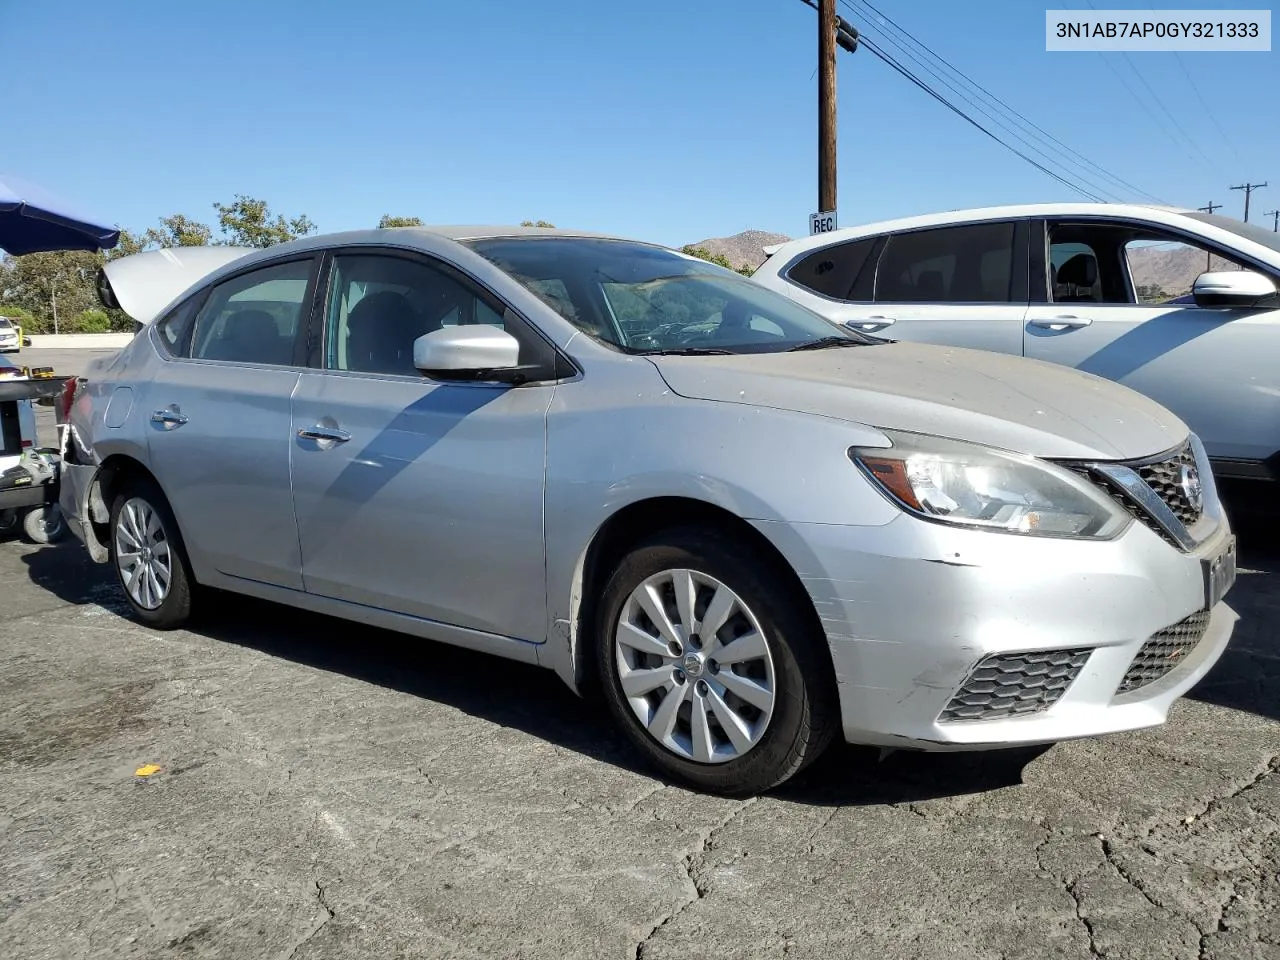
[973,486]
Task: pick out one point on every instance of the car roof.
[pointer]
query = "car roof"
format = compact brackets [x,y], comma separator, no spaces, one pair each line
[1144,211]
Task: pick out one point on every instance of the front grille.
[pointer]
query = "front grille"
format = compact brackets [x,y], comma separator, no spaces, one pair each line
[1164,651]
[1165,478]
[1011,684]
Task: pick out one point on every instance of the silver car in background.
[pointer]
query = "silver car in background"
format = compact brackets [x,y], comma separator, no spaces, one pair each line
[753,530]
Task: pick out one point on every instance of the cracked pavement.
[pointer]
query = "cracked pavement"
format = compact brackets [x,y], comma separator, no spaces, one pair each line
[331,791]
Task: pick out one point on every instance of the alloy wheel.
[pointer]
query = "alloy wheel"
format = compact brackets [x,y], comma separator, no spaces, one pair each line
[143,556]
[694,666]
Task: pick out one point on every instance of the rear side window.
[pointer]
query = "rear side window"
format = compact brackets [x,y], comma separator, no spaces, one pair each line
[254,317]
[833,271]
[175,327]
[966,264]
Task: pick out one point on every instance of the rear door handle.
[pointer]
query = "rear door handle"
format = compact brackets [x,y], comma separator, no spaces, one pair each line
[332,434]
[876,322]
[170,416]
[1065,322]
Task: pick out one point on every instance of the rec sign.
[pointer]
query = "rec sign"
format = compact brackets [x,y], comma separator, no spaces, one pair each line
[823,222]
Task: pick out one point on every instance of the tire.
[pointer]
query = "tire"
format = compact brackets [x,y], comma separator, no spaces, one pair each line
[44,524]
[138,502]
[792,662]
[8,523]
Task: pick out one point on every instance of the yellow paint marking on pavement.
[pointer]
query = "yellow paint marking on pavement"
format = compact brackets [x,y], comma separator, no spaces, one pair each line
[146,770]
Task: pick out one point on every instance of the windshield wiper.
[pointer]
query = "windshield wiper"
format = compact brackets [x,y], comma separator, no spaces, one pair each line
[685,352]
[824,342]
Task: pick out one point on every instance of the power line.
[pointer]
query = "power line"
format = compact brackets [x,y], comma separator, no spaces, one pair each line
[1159,103]
[895,65]
[899,50]
[1209,111]
[1035,131]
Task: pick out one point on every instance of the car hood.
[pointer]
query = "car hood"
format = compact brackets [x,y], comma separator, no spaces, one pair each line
[1017,404]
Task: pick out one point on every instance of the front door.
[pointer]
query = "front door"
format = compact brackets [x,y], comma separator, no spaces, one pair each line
[1120,307]
[218,418]
[415,496]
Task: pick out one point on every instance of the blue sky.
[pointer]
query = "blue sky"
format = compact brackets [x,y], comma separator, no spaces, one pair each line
[669,120]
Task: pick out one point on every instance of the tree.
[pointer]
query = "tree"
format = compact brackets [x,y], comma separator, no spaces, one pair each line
[61,282]
[389,221]
[719,259]
[179,231]
[247,222]
[540,223]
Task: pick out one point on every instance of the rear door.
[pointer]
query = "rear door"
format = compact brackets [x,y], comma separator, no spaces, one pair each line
[219,418]
[1116,302]
[960,285]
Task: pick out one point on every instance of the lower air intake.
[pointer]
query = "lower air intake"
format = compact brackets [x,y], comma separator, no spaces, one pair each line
[1164,651]
[1012,684]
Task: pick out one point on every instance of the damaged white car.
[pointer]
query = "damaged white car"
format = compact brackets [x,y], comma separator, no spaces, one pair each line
[753,530]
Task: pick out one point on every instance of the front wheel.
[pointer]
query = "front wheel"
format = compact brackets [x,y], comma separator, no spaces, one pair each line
[148,556]
[713,664]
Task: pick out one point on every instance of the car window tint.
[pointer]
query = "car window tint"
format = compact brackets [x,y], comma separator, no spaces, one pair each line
[379,305]
[254,317]
[966,264]
[1087,263]
[832,271]
[1164,268]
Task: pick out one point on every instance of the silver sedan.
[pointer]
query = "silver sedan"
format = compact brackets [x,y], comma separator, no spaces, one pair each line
[752,530]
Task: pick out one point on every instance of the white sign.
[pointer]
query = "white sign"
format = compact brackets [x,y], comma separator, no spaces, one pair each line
[823,222]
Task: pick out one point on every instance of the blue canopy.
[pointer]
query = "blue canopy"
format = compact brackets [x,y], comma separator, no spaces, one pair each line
[34,221]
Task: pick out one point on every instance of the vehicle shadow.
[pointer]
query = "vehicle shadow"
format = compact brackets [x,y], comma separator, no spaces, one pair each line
[516,695]
[1247,677]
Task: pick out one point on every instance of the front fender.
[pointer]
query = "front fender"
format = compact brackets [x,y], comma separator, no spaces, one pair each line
[607,452]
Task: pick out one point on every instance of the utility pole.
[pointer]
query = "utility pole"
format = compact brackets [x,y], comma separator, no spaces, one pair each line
[1208,257]
[1248,189]
[826,105]
[1275,220]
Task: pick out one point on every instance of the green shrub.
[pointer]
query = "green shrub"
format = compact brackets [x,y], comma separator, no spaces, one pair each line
[92,321]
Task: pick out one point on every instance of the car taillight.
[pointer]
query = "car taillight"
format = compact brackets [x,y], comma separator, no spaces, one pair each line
[67,399]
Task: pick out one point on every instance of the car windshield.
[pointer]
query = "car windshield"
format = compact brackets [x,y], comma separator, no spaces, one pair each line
[5,324]
[646,299]
[1249,231]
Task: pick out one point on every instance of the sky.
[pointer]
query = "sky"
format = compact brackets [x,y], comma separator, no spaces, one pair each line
[667,120]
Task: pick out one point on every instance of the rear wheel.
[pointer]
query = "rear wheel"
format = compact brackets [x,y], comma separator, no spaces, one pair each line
[148,557]
[712,664]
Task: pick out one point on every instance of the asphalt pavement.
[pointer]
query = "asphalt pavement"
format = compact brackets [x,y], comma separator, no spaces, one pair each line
[325,790]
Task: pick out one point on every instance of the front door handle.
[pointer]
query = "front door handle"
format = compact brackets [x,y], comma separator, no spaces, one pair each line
[332,434]
[170,416]
[876,322]
[1068,321]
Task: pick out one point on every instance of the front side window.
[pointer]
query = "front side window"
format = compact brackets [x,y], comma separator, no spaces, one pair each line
[645,299]
[379,305]
[254,317]
[1163,269]
[964,264]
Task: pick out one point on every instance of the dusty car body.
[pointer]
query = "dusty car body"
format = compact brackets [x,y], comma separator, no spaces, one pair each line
[753,530]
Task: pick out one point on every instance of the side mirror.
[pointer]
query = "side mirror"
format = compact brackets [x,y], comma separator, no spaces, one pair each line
[469,352]
[1232,288]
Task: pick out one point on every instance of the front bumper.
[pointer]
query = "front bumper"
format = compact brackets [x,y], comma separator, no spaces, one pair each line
[910,609]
